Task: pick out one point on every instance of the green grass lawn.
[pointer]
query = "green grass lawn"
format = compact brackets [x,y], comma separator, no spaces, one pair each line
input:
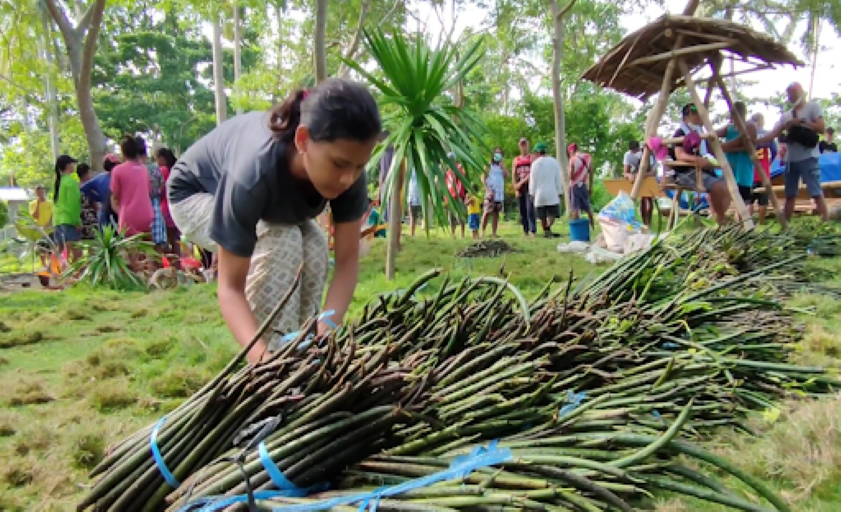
[80,369]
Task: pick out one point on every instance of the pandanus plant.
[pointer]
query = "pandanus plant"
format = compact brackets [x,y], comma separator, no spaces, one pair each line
[425,126]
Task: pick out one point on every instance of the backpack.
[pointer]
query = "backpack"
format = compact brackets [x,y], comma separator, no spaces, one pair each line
[802,135]
[157,178]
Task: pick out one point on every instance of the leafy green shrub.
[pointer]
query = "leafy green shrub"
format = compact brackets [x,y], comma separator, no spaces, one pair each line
[106,263]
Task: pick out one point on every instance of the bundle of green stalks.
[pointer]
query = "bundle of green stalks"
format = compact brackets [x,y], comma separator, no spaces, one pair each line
[594,386]
[324,395]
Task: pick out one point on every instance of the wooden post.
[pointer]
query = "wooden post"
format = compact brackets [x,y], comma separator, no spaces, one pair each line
[751,149]
[715,145]
[653,121]
[395,218]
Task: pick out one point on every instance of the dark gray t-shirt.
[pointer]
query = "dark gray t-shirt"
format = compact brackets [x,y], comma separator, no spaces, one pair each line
[240,163]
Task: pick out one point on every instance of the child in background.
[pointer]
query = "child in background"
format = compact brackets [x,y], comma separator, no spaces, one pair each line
[474,214]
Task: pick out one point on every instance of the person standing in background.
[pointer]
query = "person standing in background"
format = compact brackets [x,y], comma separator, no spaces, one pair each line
[765,154]
[130,184]
[827,145]
[457,193]
[415,209]
[520,177]
[165,159]
[630,167]
[474,214]
[802,125]
[98,190]
[41,209]
[581,181]
[546,189]
[494,192]
[90,215]
[737,154]
[156,191]
[67,210]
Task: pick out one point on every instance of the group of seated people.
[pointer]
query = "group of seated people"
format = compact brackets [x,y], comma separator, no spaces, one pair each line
[799,127]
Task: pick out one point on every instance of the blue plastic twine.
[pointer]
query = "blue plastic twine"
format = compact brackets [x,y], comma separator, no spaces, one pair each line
[459,469]
[323,317]
[574,400]
[156,454]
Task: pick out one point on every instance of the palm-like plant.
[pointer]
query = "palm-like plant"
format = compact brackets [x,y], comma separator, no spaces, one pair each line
[107,260]
[424,124]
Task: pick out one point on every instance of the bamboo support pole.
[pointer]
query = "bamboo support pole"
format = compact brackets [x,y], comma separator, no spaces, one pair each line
[749,146]
[682,52]
[653,121]
[715,144]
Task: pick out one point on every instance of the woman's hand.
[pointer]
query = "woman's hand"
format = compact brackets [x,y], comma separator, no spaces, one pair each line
[233,271]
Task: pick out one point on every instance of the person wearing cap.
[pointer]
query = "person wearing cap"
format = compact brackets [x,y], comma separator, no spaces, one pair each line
[581,182]
[98,190]
[694,150]
[520,178]
[67,199]
[828,144]
[545,189]
[802,125]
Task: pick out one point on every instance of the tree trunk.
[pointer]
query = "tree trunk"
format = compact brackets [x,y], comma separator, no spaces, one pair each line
[395,220]
[319,44]
[49,84]
[557,94]
[280,73]
[237,55]
[350,54]
[218,75]
[80,42]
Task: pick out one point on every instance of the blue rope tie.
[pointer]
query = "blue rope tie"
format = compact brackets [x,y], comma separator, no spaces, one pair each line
[159,460]
[574,400]
[459,469]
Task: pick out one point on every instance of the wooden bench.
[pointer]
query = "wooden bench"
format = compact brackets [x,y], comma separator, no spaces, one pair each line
[831,189]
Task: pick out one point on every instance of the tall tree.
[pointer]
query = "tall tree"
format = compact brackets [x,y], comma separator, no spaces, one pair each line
[559,14]
[80,44]
[319,43]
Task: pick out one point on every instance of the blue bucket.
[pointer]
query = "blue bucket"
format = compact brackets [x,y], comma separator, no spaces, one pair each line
[579,230]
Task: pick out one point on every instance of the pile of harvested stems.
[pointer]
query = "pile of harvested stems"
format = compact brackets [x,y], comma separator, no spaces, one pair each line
[594,389]
[486,249]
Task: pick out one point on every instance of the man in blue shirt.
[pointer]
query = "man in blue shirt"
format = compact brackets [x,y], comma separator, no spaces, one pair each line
[98,190]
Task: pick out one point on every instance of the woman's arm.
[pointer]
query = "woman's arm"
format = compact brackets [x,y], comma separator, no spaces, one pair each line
[233,270]
[346,272]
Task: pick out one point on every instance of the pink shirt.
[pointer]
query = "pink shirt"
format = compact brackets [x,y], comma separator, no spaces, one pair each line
[130,182]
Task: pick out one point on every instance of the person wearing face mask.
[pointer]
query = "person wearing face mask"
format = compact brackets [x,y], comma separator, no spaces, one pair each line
[494,192]
[802,125]
[694,150]
[251,190]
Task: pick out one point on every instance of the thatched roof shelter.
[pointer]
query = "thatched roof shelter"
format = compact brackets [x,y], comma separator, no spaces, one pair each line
[637,65]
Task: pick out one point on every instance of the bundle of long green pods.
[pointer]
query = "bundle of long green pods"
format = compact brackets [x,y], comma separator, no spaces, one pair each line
[594,387]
